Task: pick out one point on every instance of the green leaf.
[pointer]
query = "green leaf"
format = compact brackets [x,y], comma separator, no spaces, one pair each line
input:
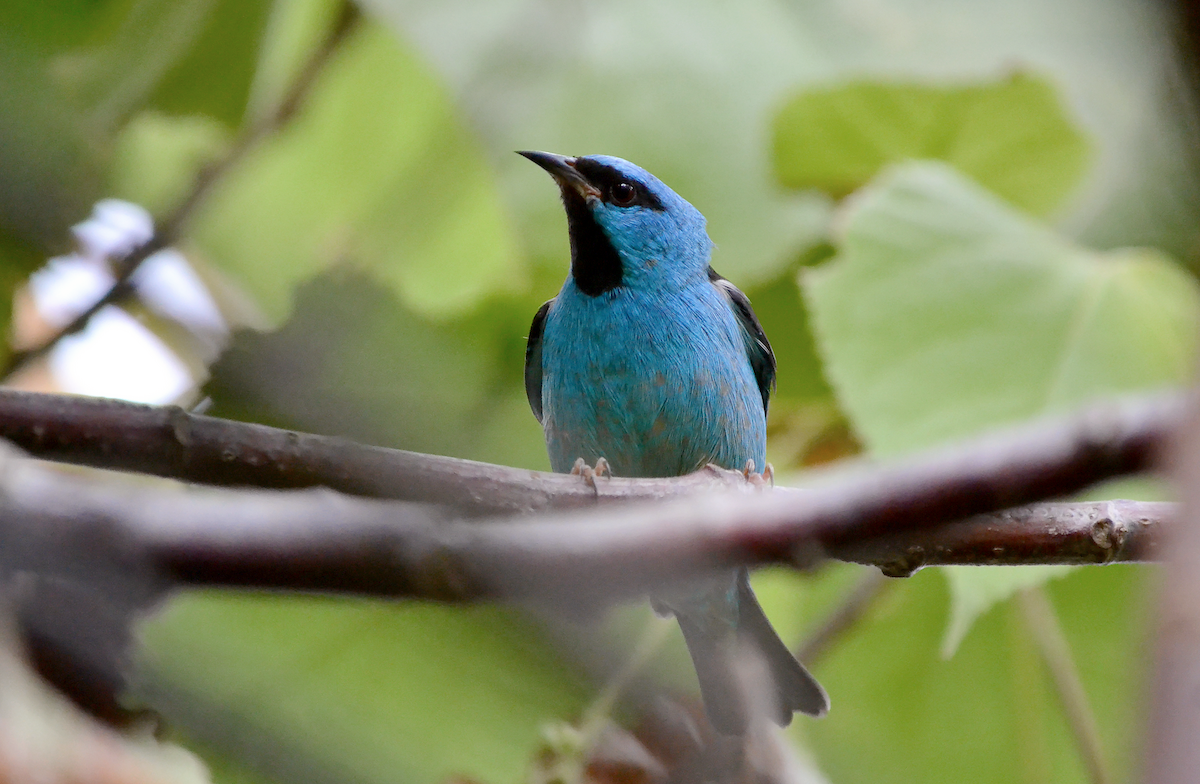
[139,44]
[973,591]
[369,691]
[898,707]
[1013,136]
[376,170]
[353,361]
[157,157]
[947,312]
[51,169]
[214,78]
[681,88]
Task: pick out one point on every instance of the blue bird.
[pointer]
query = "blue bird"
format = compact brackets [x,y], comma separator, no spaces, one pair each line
[649,359]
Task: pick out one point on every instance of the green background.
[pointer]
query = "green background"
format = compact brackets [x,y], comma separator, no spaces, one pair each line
[951,216]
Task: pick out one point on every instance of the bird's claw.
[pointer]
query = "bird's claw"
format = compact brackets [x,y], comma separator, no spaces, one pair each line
[765,479]
[589,474]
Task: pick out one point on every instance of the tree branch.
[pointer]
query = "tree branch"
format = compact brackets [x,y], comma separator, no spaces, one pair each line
[171,227]
[318,540]
[1084,533]
[1170,752]
[1044,459]
[170,442]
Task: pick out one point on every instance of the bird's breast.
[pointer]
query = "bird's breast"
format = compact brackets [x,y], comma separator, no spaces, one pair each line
[659,386]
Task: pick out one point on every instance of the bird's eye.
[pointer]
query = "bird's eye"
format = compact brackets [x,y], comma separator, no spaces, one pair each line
[622,194]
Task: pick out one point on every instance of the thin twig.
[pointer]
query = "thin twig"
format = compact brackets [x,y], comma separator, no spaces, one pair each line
[1055,533]
[597,715]
[172,226]
[1043,625]
[858,601]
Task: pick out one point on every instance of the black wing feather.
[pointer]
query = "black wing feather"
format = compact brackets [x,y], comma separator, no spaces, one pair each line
[533,360]
[758,348]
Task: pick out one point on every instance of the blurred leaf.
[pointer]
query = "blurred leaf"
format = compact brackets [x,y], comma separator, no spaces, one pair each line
[74,71]
[512,436]
[973,591]
[1107,57]
[132,49]
[51,171]
[214,78]
[375,691]
[682,88]
[17,261]
[898,707]
[353,361]
[804,421]
[157,157]
[295,29]
[784,316]
[1012,136]
[946,312]
[376,168]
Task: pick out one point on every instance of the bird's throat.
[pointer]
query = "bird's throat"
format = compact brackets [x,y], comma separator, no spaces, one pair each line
[595,264]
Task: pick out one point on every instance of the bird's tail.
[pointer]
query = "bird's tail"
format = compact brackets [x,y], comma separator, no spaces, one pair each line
[727,701]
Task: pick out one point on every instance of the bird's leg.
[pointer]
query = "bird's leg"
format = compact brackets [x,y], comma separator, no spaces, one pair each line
[765,479]
[589,474]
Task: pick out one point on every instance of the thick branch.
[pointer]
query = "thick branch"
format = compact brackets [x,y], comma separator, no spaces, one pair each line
[322,541]
[1171,753]
[170,442]
[1042,460]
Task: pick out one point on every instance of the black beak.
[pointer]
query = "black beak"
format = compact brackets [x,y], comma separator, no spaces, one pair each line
[563,170]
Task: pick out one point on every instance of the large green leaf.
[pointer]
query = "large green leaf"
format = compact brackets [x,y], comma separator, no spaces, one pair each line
[51,168]
[989,714]
[369,691]
[377,168]
[973,591]
[946,312]
[353,361]
[1013,136]
[681,88]
[157,156]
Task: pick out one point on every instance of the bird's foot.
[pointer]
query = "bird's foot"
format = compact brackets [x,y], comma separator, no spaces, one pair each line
[589,474]
[765,479]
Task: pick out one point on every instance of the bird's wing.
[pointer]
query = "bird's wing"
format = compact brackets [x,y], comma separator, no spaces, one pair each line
[758,348]
[533,360]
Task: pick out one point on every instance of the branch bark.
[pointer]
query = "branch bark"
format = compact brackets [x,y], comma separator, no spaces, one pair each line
[168,441]
[897,517]
[1171,753]
[129,540]
[1053,533]
[1044,459]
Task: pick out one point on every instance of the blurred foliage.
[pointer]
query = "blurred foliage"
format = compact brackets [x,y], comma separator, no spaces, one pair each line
[1011,136]
[376,171]
[398,250]
[376,692]
[942,292]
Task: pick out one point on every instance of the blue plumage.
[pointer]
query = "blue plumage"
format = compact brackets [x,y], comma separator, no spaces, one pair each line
[651,360]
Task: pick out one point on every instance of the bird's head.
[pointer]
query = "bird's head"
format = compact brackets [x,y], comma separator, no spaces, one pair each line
[627,228]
